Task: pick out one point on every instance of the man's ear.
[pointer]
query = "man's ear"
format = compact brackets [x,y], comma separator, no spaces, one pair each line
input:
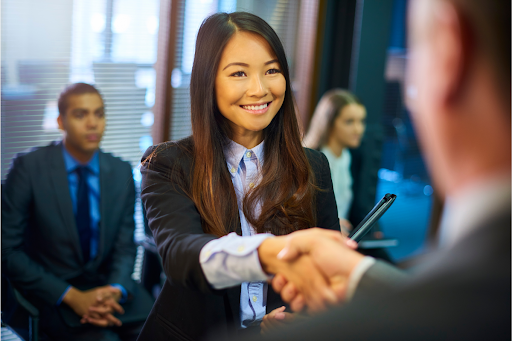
[59,122]
[452,50]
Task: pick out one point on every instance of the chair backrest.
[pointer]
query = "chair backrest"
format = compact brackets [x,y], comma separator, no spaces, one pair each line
[13,300]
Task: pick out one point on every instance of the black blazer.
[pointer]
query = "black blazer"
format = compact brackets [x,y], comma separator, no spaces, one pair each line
[188,307]
[41,251]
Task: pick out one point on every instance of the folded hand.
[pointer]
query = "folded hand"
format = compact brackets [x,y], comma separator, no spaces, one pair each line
[96,305]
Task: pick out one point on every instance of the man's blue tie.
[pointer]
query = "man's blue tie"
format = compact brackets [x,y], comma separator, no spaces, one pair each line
[83,218]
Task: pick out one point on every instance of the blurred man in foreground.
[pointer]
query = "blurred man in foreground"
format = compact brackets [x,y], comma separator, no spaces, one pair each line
[458,91]
[67,229]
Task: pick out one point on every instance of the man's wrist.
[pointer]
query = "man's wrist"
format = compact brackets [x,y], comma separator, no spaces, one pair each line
[357,272]
[120,294]
[71,295]
[116,293]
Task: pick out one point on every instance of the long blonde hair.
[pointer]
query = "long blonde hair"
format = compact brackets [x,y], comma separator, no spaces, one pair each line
[328,108]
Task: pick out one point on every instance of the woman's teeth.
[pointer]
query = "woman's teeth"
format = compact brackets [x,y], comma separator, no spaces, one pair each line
[255,107]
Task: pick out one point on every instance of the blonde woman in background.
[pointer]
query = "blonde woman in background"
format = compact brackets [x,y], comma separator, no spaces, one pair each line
[338,125]
[337,128]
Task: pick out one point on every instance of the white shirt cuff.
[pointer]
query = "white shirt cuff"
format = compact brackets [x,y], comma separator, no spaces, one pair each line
[233,259]
[356,275]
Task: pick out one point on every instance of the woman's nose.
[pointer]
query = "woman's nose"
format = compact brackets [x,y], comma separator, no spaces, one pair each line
[257,87]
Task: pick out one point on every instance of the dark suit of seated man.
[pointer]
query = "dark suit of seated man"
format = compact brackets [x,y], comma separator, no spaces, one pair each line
[67,229]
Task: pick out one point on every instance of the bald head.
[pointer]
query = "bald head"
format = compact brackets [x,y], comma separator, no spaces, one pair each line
[458,87]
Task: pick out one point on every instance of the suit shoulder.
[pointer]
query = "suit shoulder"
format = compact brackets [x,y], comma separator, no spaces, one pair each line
[37,153]
[313,154]
[316,158]
[115,161]
[169,151]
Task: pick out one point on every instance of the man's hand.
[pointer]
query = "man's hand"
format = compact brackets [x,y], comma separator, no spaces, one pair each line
[330,252]
[315,287]
[96,306]
[275,319]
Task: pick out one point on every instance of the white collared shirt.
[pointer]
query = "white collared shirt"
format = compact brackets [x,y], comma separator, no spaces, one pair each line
[232,260]
[465,211]
[341,179]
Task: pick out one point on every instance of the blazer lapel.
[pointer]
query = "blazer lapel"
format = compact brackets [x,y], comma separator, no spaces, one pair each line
[233,298]
[106,178]
[59,178]
[233,294]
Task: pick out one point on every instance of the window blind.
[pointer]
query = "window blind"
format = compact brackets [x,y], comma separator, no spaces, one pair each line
[49,44]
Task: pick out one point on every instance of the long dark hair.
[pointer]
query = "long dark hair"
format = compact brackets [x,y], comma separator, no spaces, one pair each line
[286,190]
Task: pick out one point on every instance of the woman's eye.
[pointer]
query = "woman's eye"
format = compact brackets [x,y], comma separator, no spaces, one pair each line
[238,74]
[273,71]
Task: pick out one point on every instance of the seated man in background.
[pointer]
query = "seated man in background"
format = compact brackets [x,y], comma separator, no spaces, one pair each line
[459,96]
[67,229]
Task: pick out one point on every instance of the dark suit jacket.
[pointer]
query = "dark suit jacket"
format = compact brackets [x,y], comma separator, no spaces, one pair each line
[41,251]
[364,186]
[364,167]
[188,307]
[462,293]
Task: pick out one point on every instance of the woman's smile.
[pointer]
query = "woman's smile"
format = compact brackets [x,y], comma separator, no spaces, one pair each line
[257,108]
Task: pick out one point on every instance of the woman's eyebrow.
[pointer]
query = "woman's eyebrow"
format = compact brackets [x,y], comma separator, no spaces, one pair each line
[247,65]
[236,63]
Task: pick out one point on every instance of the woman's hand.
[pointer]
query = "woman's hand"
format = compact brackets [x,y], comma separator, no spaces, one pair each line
[319,285]
[275,319]
[346,227]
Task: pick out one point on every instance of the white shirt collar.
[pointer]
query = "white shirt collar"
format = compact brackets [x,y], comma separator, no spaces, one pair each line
[466,210]
[234,153]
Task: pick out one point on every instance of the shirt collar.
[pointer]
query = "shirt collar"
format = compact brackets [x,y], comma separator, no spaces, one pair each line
[330,155]
[469,208]
[234,153]
[71,163]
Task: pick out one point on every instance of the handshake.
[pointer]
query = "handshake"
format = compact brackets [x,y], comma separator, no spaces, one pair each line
[311,267]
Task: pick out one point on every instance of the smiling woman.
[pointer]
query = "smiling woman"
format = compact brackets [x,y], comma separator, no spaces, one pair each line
[213,198]
[249,93]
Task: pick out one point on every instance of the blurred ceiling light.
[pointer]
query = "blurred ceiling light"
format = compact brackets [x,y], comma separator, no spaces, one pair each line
[51,112]
[152,24]
[120,23]
[147,119]
[176,78]
[97,22]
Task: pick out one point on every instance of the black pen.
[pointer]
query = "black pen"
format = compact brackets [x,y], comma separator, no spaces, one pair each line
[371,218]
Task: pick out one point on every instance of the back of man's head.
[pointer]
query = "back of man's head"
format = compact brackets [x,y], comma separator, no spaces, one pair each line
[458,87]
[74,90]
[490,20]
